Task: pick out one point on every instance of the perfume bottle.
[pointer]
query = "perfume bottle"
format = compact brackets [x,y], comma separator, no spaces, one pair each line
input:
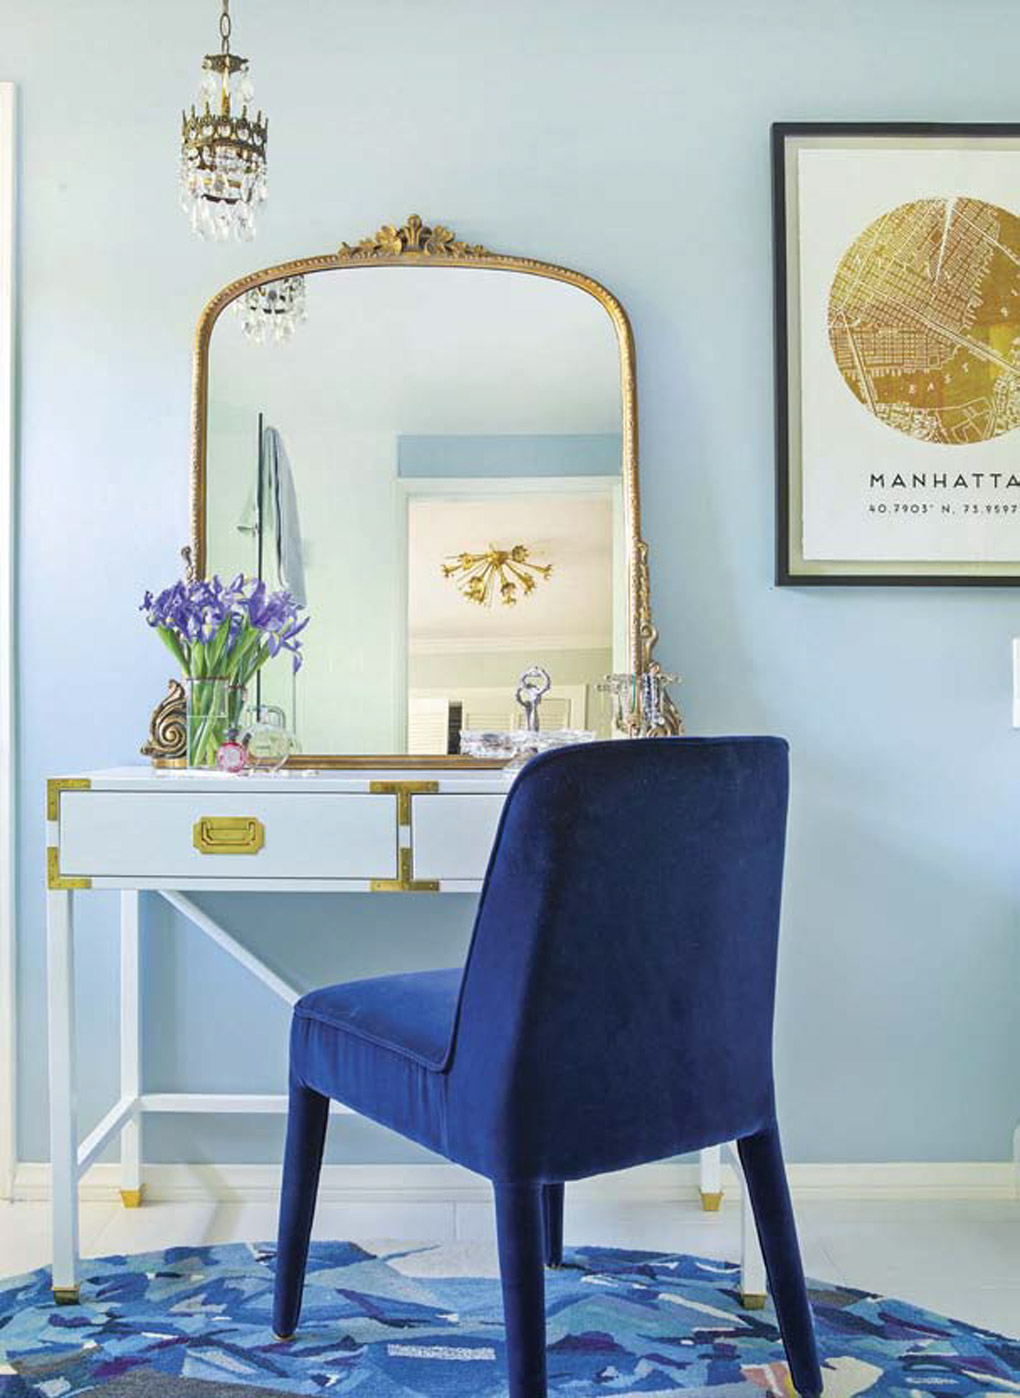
[231,756]
[268,740]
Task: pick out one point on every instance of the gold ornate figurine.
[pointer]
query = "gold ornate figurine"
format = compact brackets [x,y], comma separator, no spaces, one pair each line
[168,730]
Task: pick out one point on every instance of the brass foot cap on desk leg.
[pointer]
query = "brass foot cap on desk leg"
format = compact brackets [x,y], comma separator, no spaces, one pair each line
[283,1339]
[132,1198]
[710,1201]
[66,1295]
[753,1300]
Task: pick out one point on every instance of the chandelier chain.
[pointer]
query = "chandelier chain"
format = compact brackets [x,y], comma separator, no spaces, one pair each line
[225,28]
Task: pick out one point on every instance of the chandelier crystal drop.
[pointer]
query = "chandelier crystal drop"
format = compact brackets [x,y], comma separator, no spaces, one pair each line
[273,311]
[223,148]
[481,576]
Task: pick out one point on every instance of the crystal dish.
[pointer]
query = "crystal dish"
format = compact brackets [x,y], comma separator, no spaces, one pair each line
[519,745]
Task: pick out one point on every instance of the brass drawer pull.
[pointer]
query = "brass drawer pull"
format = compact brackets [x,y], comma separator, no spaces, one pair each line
[229,835]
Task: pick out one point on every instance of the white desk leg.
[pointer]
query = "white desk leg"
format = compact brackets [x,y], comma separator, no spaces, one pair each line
[130,1050]
[63,1094]
[753,1281]
[710,1168]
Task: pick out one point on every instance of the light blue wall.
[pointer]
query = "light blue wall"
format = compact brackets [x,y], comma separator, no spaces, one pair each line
[522,454]
[631,141]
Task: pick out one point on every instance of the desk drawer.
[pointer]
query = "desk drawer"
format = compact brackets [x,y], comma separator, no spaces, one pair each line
[453,835]
[142,835]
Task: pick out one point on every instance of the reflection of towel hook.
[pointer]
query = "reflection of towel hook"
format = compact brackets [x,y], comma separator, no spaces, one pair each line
[530,688]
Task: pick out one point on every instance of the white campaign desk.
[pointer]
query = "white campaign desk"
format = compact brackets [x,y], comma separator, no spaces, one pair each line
[170,832]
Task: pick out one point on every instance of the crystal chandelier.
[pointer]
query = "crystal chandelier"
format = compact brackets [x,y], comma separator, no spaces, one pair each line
[481,575]
[272,311]
[223,155]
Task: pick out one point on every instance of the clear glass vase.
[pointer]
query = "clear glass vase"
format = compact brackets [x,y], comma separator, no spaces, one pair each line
[215,705]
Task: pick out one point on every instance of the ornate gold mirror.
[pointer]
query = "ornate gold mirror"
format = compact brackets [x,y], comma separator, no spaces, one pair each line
[440,461]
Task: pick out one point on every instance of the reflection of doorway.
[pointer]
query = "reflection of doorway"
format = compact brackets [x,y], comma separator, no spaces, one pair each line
[462,659]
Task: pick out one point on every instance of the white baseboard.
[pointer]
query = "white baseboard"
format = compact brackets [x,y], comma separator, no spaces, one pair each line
[442,1183]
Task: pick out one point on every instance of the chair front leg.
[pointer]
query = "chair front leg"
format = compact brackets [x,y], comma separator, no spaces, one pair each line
[552,1214]
[520,1231]
[306,1137]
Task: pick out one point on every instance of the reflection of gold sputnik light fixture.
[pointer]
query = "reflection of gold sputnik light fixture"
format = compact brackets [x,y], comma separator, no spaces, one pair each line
[481,575]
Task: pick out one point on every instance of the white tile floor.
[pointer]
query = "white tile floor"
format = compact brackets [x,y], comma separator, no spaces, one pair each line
[959,1258]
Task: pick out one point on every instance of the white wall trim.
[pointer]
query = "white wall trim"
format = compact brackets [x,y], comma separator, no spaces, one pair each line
[442,1183]
[495,645]
[7,763]
[478,487]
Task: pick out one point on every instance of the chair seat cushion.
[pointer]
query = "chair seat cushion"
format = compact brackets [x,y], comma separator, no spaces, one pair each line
[380,1047]
[410,1014]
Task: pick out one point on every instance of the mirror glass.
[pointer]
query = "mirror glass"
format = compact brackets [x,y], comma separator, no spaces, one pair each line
[432,464]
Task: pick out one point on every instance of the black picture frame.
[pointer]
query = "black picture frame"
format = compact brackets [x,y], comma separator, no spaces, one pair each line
[790,569]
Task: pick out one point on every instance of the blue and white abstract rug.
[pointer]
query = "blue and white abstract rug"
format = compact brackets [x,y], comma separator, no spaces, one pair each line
[409,1322]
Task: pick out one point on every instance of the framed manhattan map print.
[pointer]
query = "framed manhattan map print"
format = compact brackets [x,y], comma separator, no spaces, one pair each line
[897,283]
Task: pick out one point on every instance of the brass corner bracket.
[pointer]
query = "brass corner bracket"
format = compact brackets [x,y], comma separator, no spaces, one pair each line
[412,237]
[55,785]
[403,791]
[55,880]
[405,882]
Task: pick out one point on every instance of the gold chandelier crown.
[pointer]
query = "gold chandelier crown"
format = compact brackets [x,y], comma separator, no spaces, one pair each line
[480,576]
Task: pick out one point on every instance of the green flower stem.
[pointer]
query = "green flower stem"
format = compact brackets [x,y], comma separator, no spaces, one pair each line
[207,723]
[217,690]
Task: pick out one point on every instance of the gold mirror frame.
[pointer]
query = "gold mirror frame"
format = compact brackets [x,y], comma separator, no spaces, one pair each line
[416,244]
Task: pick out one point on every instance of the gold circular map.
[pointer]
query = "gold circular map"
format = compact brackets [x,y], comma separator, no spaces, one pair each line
[924,319]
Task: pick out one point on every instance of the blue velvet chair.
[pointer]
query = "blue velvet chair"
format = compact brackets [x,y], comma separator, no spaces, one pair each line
[616,1008]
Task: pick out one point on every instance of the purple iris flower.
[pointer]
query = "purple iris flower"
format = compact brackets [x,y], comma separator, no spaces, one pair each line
[237,626]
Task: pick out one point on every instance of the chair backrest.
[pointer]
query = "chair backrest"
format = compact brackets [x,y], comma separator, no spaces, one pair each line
[617,1001]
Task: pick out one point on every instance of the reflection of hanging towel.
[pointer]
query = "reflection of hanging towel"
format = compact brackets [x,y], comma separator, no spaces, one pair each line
[281,527]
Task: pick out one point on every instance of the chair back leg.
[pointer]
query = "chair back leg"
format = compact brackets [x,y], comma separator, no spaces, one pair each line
[307,1117]
[552,1214]
[520,1231]
[762,1159]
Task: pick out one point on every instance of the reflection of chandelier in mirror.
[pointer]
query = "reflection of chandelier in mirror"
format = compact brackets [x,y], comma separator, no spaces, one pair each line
[272,311]
[223,156]
[481,575]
